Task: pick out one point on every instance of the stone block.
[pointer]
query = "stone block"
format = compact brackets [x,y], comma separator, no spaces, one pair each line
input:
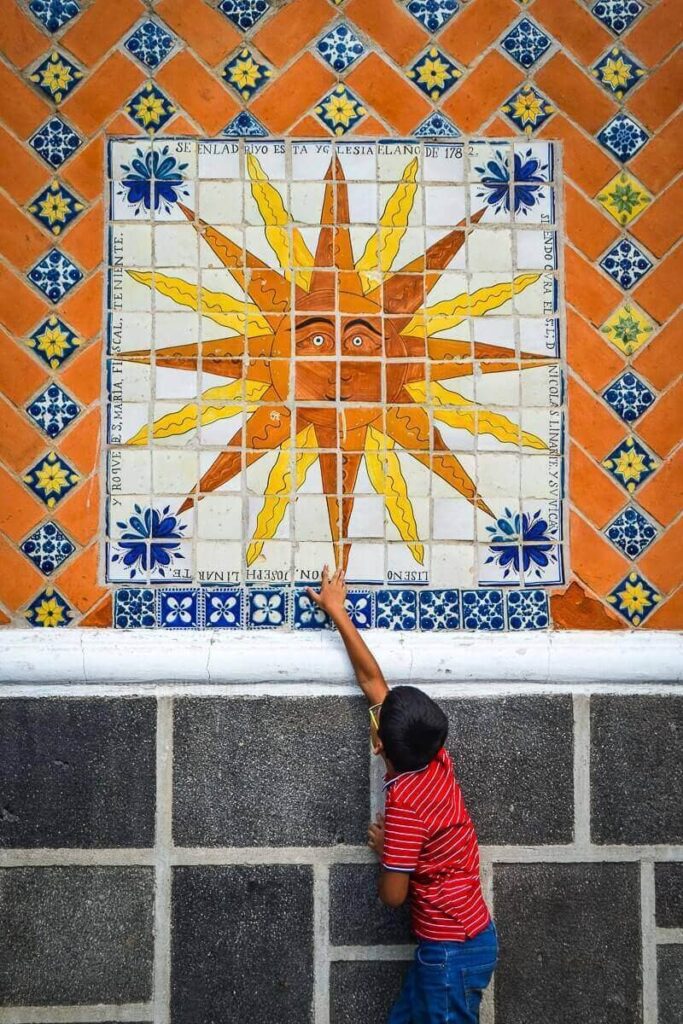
[669,894]
[570,949]
[363,991]
[670,984]
[357,915]
[76,935]
[242,944]
[514,759]
[636,769]
[270,772]
[77,772]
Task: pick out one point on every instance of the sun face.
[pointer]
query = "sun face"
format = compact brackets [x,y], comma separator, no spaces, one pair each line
[337,358]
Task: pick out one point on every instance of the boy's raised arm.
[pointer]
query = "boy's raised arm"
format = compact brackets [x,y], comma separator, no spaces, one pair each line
[330,598]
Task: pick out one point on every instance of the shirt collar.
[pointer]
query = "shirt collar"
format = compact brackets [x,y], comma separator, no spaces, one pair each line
[403,775]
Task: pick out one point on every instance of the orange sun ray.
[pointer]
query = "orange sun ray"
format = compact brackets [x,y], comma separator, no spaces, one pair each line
[334,247]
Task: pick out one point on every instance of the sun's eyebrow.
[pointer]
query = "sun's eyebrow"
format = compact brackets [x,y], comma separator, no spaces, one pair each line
[363,323]
[314,320]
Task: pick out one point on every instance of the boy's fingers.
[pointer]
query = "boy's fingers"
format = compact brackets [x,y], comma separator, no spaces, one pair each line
[312,594]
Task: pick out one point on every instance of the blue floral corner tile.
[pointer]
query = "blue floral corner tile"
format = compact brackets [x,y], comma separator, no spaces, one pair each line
[360,605]
[396,609]
[631,532]
[437,125]
[246,74]
[340,110]
[55,141]
[150,541]
[134,608]
[439,609]
[150,108]
[56,76]
[54,14]
[153,181]
[527,609]
[626,263]
[307,614]
[618,72]
[340,47]
[223,607]
[245,126]
[53,410]
[483,610]
[522,544]
[56,207]
[179,609]
[634,598]
[521,193]
[526,43]
[628,396]
[51,479]
[151,43]
[55,275]
[617,15]
[528,109]
[267,607]
[244,13]
[54,342]
[48,547]
[631,464]
[49,609]
[433,14]
[623,137]
[434,73]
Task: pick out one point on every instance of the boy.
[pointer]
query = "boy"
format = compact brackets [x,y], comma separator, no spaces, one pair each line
[425,841]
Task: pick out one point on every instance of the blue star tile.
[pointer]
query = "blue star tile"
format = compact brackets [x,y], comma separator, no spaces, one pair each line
[483,610]
[617,15]
[434,73]
[626,263]
[246,74]
[267,607]
[55,275]
[528,109]
[223,608]
[54,342]
[244,13]
[631,532]
[340,110]
[628,396]
[396,609]
[134,608]
[630,463]
[53,410]
[54,13]
[433,14]
[55,141]
[623,137]
[340,47]
[439,609]
[150,108]
[245,126]
[526,43]
[618,72]
[56,207]
[56,76]
[527,609]
[150,43]
[179,609]
[634,598]
[51,479]
[48,610]
[437,125]
[47,548]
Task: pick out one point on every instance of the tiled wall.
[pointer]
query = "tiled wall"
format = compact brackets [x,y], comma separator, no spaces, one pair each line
[601,79]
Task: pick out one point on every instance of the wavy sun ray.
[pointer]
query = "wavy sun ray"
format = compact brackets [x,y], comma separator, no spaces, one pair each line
[382,247]
[292,252]
[243,317]
[386,476]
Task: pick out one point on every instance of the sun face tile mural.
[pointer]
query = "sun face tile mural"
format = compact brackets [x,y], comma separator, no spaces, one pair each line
[343,352]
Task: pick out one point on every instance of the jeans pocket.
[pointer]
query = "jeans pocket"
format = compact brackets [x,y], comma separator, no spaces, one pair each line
[431,954]
[475,980]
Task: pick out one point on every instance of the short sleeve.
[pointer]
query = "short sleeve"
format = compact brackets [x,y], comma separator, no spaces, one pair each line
[404,834]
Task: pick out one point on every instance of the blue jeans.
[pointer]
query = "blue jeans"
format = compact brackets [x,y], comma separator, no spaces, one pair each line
[444,985]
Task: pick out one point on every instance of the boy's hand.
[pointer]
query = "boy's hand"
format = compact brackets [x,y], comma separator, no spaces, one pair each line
[376,835]
[332,593]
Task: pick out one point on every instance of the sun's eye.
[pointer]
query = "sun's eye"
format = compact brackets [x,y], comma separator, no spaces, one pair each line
[357,341]
[318,340]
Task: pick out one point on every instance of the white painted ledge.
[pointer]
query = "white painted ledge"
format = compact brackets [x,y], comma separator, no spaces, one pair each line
[102,656]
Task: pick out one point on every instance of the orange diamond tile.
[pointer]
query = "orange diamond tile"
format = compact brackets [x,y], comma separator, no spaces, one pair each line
[587,226]
[573,26]
[78,581]
[370,127]
[588,353]
[100,27]
[20,375]
[662,494]
[83,310]
[84,240]
[102,93]
[662,426]
[594,425]
[668,615]
[204,29]
[82,376]
[656,32]
[482,91]
[575,93]
[19,578]
[593,492]
[85,170]
[20,510]
[662,563]
[594,560]
[660,292]
[22,240]
[101,615]
[293,93]
[661,225]
[498,129]
[661,362]
[21,108]
[476,26]
[583,159]
[198,91]
[577,609]
[588,289]
[20,307]
[180,125]
[291,28]
[22,174]
[20,39]
[658,161]
[391,28]
[314,128]
[79,512]
[20,442]
[660,95]
[81,443]
[389,93]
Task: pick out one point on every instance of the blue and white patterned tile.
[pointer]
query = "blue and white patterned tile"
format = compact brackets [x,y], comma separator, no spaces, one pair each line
[340,47]
[525,192]
[54,14]
[623,137]
[244,13]
[56,207]
[396,609]
[150,542]
[267,607]
[150,108]
[150,43]
[246,74]
[54,342]
[245,126]
[618,72]
[56,76]
[340,110]
[134,608]
[55,141]
[439,609]
[53,410]
[55,275]
[179,609]
[522,548]
[437,125]
[49,610]
[526,43]
[631,464]
[152,184]
[528,109]
[434,73]
[483,610]
[306,613]
[617,15]
[626,263]
[51,478]
[631,532]
[527,609]
[628,396]
[634,598]
[223,608]
[433,14]
[48,547]
[360,605]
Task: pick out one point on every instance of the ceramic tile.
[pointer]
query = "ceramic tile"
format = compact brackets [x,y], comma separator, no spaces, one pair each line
[244,14]
[434,73]
[433,14]
[55,141]
[634,598]
[56,207]
[55,275]
[267,607]
[48,610]
[340,47]
[51,479]
[626,263]
[623,137]
[618,72]
[629,396]
[150,43]
[528,109]
[624,198]
[245,125]
[48,548]
[630,463]
[54,14]
[56,76]
[628,328]
[223,608]
[483,610]
[527,609]
[617,15]
[150,108]
[340,110]
[134,608]
[179,609]
[246,73]
[437,125]
[631,532]
[396,609]
[53,410]
[526,43]
[439,609]
[54,341]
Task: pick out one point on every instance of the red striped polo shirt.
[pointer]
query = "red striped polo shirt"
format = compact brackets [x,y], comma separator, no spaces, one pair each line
[429,833]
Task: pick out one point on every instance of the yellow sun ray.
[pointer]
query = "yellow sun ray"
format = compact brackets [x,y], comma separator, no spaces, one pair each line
[451,312]
[386,476]
[242,317]
[382,247]
[278,489]
[290,251]
[181,421]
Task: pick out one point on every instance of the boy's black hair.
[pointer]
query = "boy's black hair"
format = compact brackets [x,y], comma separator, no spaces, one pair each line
[412,727]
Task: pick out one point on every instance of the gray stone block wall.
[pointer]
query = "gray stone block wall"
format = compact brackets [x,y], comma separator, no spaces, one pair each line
[201,860]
